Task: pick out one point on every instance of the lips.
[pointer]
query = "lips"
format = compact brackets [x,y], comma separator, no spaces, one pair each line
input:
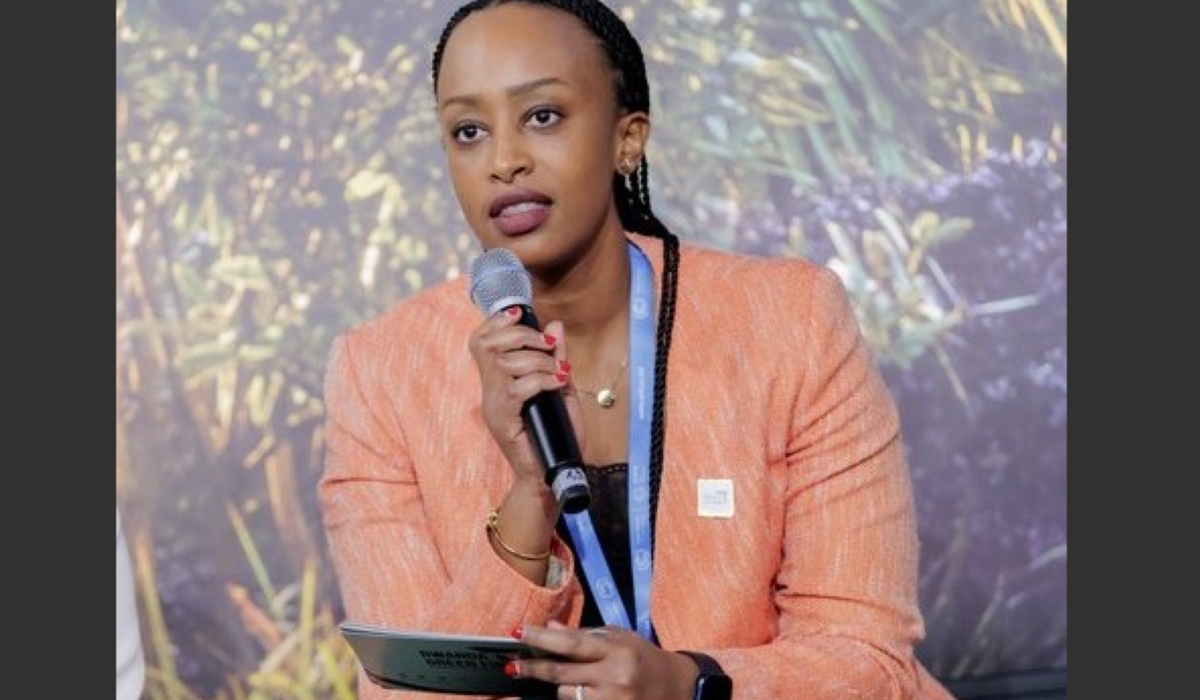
[519,211]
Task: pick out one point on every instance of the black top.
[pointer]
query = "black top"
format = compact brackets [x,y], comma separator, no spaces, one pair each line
[609,510]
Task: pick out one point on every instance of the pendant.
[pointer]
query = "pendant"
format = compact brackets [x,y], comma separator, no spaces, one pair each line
[606,398]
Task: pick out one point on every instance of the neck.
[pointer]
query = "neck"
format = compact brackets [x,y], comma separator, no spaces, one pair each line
[591,298]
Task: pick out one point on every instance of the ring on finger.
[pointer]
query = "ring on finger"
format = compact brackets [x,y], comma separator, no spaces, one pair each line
[579,691]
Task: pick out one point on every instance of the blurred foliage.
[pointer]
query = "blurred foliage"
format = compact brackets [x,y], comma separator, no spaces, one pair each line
[279,179]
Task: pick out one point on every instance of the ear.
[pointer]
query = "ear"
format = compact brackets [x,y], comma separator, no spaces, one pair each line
[633,132]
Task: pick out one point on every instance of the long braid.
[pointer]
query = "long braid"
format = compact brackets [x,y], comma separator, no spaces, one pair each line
[633,203]
[632,192]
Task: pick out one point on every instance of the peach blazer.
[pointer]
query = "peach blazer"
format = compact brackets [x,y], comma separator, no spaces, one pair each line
[808,591]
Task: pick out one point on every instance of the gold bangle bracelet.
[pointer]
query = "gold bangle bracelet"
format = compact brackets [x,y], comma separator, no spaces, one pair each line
[493,528]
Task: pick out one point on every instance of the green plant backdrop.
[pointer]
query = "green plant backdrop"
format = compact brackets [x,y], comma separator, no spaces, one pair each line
[279,179]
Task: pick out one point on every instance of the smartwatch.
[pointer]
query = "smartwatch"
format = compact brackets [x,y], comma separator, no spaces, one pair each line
[712,683]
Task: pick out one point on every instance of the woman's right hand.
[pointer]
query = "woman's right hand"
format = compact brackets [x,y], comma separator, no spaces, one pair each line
[516,363]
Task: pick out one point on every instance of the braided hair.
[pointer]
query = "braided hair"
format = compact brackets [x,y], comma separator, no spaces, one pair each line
[632,191]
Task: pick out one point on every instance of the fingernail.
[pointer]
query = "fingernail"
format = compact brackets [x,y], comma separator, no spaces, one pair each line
[512,669]
[561,377]
[550,340]
[513,311]
[518,632]
[564,366]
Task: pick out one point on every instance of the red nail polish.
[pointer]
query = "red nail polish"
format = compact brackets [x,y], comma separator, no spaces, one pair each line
[550,340]
[561,377]
[518,632]
[512,670]
[564,366]
[513,311]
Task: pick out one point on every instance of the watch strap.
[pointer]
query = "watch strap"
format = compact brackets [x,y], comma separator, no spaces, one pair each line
[710,673]
[708,665]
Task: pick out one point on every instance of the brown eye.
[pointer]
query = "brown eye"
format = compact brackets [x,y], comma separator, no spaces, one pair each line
[467,133]
[544,117]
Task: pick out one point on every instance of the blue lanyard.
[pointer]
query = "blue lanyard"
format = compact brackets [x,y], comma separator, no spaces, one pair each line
[641,394]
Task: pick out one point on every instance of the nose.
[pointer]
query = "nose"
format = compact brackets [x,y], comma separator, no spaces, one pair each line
[509,158]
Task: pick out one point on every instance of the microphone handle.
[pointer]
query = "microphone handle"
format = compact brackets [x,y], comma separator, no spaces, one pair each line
[549,427]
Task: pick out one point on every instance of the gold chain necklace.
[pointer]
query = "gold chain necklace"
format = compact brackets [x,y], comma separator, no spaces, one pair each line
[606,396]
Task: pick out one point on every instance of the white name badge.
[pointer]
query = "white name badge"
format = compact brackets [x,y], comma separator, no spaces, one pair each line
[714,498]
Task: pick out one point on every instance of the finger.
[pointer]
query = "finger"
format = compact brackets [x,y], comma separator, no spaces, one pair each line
[556,336]
[576,644]
[564,674]
[524,388]
[566,385]
[505,318]
[500,333]
[513,352]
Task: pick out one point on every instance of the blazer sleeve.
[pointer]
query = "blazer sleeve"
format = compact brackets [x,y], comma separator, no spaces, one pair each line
[393,566]
[846,589]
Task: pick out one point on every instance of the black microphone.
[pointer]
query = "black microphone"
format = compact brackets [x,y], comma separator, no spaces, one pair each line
[499,281]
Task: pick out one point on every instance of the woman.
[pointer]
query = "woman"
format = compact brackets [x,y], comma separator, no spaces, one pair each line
[740,447]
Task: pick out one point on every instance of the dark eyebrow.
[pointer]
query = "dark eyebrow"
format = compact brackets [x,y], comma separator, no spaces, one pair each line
[514,91]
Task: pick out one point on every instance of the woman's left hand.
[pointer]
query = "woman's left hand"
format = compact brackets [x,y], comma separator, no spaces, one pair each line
[607,663]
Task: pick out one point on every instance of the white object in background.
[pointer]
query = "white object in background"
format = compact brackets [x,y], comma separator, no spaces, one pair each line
[131,662]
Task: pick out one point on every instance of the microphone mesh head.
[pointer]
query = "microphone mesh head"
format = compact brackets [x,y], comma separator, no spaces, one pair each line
[499,280]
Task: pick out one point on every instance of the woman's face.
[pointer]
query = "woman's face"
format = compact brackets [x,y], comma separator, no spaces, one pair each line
[532,132]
